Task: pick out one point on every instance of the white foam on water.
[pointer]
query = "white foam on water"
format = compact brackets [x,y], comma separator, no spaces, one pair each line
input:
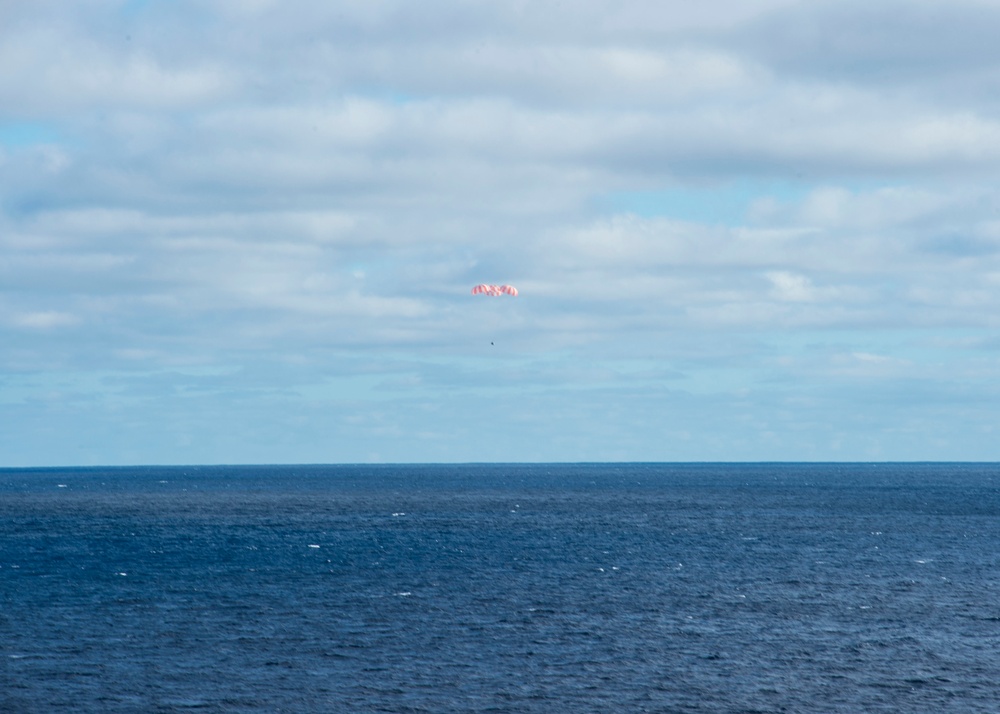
[187,703]
[403,594]
[60,485]
[398,514]
[313,545]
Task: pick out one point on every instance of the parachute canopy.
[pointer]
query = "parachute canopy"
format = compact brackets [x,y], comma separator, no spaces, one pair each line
[495,290]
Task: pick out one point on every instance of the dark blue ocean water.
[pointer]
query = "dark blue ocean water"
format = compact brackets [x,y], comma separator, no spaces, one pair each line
[501,588]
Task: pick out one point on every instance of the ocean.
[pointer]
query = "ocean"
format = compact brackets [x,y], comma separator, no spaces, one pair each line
[501,588]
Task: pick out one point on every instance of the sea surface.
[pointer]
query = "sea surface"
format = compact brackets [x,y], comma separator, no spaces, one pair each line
[501,588]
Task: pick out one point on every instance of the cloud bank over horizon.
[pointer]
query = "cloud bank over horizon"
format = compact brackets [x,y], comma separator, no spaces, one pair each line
[236,232]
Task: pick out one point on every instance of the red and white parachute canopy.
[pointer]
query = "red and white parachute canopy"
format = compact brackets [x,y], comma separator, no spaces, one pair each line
[495,290]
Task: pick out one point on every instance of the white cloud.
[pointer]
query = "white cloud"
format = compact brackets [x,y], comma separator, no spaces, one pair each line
[44,320]
[44,72]
[791,287]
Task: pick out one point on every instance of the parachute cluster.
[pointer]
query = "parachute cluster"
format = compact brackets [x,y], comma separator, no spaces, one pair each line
[495,290]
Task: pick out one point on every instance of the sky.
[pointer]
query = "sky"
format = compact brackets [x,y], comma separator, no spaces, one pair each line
[246,231]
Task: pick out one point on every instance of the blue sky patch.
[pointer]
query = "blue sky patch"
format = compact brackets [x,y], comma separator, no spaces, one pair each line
[20,134]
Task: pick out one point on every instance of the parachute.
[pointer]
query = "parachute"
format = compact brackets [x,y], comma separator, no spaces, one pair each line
[495,290]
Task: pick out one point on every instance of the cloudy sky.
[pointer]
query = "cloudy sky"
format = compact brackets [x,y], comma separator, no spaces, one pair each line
[245,231]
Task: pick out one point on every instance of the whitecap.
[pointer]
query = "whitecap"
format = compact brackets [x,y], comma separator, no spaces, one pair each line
[313,545]
[187,703]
